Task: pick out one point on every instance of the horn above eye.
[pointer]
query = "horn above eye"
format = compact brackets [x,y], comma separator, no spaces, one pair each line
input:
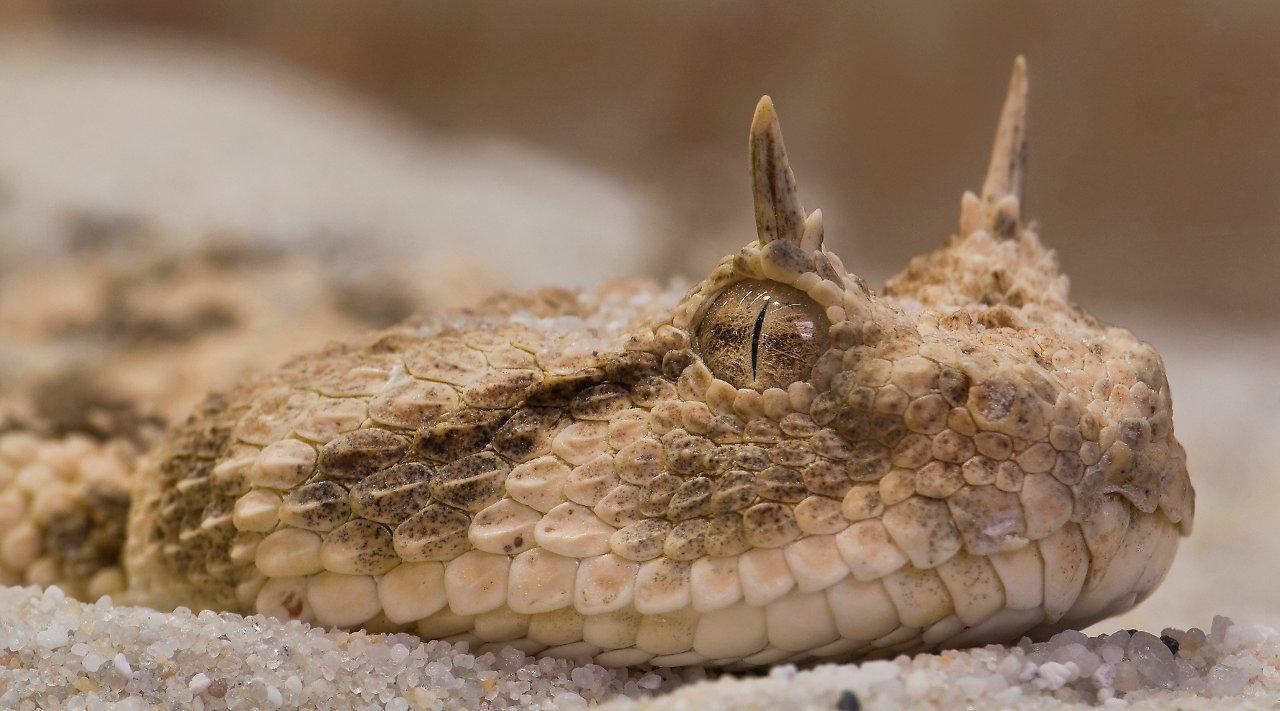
[760,334]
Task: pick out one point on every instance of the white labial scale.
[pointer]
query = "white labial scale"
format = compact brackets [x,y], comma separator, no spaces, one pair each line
[765,657]
[1066,566]
[574,531]
[443,624]
[605,583]
[919,596]
[668,633]
[341,600]
[975,588]
[1161,559]
[1129,566]
[815,562]
[501,625]
[1007,625]
[412,591]
[869,551]
[1022,575]
[563,626]
[683,659]
[903,635]
[800,621]
[765,575]
[735,631]
[540,581]
[1105,530]
[715,583]
[941,630]
[613,630]
[476,582]
[621,658]
[862,610]
[662,586]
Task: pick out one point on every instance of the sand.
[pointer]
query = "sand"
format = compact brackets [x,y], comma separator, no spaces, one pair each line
[56,652]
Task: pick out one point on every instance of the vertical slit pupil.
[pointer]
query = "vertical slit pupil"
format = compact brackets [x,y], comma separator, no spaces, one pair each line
[755,337]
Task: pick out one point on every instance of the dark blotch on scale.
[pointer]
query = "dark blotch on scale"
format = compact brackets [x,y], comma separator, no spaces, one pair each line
[458,435]
[351,457]
[560,390]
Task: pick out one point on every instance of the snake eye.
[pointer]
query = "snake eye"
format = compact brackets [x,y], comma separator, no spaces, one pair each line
[760,334]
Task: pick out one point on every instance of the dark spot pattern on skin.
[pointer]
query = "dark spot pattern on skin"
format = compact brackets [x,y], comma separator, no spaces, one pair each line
[471,483]
[527,433]
[780,484]
[674,362]
[393,494]
[657,495]
[320,506]
[630,367]
[560,390]
[458,435]
[650,391]
[437,532]
[690,499]
[351,457]
[600,402]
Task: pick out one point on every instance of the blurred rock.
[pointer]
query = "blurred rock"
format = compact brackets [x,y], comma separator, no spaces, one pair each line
[173,217]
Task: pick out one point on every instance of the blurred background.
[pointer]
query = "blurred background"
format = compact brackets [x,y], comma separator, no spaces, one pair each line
[192,190]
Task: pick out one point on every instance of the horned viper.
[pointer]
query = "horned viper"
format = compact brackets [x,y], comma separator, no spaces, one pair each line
[781,464]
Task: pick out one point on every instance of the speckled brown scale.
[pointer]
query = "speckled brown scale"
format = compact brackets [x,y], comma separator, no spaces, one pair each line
[528,433]
[322,506]
[769,525]
[641,540]
[826,478]
[780,484]
[359,547]
[437,532]
[394,494]
[690,499]
[458,435]
[775,464]
[470,483]
[657,495]
[351,457]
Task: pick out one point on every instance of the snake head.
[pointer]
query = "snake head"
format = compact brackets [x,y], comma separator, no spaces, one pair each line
[966,410]
[784,464]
